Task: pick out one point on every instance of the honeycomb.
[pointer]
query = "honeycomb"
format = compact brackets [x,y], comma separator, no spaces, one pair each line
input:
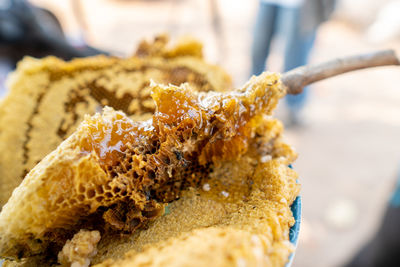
[48,98]
[116,175]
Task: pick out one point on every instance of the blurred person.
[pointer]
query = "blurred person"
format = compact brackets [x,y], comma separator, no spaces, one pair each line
[29,30]
[383,250]
[296,21]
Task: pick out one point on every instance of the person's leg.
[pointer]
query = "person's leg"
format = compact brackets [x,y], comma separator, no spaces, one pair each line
[298,46]
[263,32]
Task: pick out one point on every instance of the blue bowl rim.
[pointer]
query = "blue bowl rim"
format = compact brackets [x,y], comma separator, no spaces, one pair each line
[295,229]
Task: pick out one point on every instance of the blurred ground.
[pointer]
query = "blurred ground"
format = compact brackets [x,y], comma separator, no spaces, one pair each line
[349,150]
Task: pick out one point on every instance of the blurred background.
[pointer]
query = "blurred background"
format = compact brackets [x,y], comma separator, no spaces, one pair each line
[348,135]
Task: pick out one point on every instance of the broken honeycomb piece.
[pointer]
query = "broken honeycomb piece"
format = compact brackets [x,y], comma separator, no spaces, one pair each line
[48,97]
[79,251]
[186,46]
[132,168]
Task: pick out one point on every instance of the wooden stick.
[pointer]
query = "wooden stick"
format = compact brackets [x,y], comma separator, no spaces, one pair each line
[295,80]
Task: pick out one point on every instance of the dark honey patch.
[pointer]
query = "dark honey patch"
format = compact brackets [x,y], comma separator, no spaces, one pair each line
[30,127]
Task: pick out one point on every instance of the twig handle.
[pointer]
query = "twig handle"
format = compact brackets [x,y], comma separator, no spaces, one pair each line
[295,80]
